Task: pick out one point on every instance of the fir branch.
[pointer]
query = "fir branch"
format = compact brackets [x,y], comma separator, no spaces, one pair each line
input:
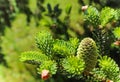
[117,14]
[110,68]
[48,65]
[98,75]
[74,42]
[107,14]
[33,57]
[63,48]
[73,66]
[116,32]
[92,16]
[45,42]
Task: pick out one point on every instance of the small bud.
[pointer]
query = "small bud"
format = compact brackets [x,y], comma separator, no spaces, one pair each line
[117,43]
[45,74]
[84,8]
[109,81]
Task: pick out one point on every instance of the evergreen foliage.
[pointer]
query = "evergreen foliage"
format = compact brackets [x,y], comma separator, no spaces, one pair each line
[71,59]
[116,32]
[63,48]
[92,16]
[96,18]
[118,14]
[83,59]
[73,66]
[48,65]
[76,59]
[98,75]
[106,15]
[45,41]
[110,68]
[63,56]
[33,56]
[102,32]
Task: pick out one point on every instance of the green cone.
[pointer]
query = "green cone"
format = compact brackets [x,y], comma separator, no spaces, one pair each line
[88,51]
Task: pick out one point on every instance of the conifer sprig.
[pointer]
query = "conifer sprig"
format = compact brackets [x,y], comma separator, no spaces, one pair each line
[33,57]
[110,68]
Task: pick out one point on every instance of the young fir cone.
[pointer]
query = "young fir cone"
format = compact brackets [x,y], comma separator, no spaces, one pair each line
[88,51]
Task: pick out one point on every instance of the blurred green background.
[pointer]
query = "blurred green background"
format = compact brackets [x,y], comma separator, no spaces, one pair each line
[20,20]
